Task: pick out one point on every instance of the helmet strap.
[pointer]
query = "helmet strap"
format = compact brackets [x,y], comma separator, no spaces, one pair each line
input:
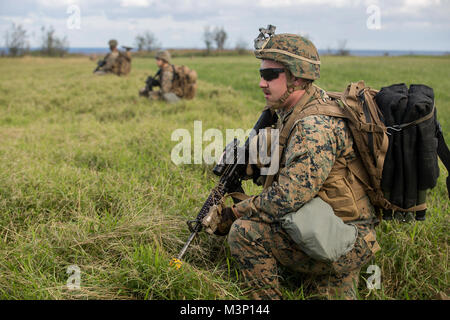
[291,87]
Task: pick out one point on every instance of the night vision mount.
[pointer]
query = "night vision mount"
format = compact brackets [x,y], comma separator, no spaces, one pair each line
[264,36]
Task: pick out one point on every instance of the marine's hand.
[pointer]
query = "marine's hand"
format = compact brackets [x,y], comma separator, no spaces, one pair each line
[211,220]
[219,219]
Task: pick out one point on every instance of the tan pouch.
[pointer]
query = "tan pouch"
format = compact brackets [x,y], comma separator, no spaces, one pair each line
[372,243]
[340,196]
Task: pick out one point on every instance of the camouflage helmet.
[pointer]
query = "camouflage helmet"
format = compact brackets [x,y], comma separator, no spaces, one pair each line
[113,43]
[163,55]
[296,53]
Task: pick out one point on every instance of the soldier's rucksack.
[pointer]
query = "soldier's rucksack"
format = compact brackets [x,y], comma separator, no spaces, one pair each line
[122,65]
[184,82]
[375,144]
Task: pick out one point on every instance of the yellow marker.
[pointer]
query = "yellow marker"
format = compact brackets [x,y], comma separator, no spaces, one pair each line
[176,262]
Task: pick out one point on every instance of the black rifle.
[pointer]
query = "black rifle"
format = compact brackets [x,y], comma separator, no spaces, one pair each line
[100,65]
[232,170]
[152,82]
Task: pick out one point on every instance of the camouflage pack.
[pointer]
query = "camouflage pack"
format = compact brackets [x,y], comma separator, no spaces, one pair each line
[123,63]
[371,136]
[184,82]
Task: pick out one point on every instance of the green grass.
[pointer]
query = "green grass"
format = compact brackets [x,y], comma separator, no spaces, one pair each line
[86,178]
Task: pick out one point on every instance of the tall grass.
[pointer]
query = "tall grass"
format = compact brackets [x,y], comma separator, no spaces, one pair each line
[86,178]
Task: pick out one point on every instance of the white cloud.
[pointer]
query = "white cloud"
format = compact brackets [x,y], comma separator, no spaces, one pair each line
[56,3]
[292,3]
[410,8]
[135,3]
[180,23]
[420,3]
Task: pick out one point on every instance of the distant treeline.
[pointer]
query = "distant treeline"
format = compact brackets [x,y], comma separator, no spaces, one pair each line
[16,41]
[17,44]
[175,53]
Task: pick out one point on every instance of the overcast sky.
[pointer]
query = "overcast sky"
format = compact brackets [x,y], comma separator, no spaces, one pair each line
[365,24]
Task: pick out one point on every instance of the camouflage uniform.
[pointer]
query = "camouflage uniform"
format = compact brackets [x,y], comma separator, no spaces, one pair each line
[257,241]
[111,59]
[117,62]
[165,79]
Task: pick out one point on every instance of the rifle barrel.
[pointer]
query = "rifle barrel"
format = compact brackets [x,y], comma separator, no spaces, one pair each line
[186,245]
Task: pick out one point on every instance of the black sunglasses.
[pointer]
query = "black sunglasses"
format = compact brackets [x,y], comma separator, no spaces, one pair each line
[270,73]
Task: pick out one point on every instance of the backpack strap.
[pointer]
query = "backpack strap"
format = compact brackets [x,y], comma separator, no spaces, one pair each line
[317,107]
[287,128]
[369,128]
[175,73]
[399,127]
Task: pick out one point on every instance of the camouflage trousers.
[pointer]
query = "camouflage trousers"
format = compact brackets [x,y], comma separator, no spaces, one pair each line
[101,73]
[168,97]
[259,247]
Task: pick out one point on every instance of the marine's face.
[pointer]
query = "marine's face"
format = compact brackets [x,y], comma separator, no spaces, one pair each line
[159,63]
[275,88]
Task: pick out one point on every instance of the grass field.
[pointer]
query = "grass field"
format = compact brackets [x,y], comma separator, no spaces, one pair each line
[86,179]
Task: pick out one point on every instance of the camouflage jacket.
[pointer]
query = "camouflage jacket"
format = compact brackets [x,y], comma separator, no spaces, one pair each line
[166,78]
[110,59]
[315,143]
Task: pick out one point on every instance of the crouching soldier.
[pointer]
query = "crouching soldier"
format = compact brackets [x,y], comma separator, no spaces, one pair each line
[115,62]
[315,184]
[164,79]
